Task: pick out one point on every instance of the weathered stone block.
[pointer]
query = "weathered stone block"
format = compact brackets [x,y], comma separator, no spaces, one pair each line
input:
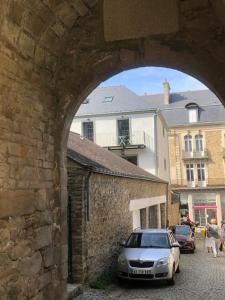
[43,237]
[22,249]
[31,265]
[48,257]
[41,200]
[44,280]
[16,203]
[141,19]
[27,45]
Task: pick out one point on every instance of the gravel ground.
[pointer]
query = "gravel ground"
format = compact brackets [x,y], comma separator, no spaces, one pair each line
[202,277]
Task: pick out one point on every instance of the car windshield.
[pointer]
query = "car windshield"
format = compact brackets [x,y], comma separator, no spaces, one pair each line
[148,240]
[182,230]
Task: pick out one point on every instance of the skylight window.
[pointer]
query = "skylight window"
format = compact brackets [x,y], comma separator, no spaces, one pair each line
[108,99]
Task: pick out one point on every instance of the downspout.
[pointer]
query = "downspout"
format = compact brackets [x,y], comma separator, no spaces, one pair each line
[85,219]
[87,188]
[156,146]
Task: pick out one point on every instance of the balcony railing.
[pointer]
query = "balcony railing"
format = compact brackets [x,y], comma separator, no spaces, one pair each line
[135,138]
[209,182]
[188,155]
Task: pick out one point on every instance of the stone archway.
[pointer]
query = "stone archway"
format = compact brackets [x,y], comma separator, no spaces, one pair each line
[53,53]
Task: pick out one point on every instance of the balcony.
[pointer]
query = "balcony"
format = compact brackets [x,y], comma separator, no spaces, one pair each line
[209,183]
[191,155]
[136,140]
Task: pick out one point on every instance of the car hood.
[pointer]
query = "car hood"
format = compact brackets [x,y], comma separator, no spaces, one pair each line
[145,253]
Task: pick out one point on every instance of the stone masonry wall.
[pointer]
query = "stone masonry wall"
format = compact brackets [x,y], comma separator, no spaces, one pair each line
[110,220]
[53,54]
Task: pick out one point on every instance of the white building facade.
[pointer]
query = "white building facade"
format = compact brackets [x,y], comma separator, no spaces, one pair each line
[138,135]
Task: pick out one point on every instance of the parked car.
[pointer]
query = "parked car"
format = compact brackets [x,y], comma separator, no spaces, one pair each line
[185,237]
[149,254]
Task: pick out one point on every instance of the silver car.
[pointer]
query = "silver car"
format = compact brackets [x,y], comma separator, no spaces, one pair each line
[149,254]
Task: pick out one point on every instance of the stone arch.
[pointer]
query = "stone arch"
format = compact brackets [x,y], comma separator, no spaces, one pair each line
[53,53]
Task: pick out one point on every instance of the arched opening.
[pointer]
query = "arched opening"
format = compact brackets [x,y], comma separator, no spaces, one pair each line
[189,141]
[53,54]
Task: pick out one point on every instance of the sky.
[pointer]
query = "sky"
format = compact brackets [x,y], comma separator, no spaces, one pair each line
[149,80]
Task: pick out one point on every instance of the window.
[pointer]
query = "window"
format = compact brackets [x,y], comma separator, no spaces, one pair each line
[190,172]
[108,99]
[193,115]
[188,143]
[148,240]
[123,132]
[201,171]
[143,218]
[199,142]
[88,130]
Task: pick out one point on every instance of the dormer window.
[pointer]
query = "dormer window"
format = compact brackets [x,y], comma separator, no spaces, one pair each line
[108,99]
[193,112]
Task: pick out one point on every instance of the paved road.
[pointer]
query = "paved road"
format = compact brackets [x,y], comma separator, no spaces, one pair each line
[202,277]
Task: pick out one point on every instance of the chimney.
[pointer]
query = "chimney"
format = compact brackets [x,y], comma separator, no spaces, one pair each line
[166,92]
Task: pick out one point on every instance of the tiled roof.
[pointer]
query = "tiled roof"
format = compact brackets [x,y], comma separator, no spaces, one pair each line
[211,109]
[101,160]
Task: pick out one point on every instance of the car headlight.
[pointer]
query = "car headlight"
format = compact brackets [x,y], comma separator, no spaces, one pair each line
[122,260]
[163,261]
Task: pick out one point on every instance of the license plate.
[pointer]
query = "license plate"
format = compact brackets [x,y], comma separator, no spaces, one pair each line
[140,271]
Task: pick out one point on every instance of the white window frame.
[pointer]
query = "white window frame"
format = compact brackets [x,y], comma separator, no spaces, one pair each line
[190,171]
[199,145]
[201,171]
[193,115]
[188,147]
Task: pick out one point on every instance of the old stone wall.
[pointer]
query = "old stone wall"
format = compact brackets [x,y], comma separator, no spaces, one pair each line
[53,54]
[104,217]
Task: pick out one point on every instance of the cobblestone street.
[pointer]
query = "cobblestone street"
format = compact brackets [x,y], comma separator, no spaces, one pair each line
[201,277]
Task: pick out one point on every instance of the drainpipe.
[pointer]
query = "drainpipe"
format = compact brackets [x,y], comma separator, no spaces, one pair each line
[87,188]
[156,146]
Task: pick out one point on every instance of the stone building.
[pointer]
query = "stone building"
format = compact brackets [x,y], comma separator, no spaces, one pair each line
[197,161]
[53,54]
[109,198]
[196,122]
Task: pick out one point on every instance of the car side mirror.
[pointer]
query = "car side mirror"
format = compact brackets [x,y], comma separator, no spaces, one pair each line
[123,244]
[175,245]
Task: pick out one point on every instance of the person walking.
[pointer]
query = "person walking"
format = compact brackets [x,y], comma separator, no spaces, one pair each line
[214,236]
[208,242]
[222,235]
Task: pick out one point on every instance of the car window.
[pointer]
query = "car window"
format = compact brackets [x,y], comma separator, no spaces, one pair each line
[182,230]
[148,240]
